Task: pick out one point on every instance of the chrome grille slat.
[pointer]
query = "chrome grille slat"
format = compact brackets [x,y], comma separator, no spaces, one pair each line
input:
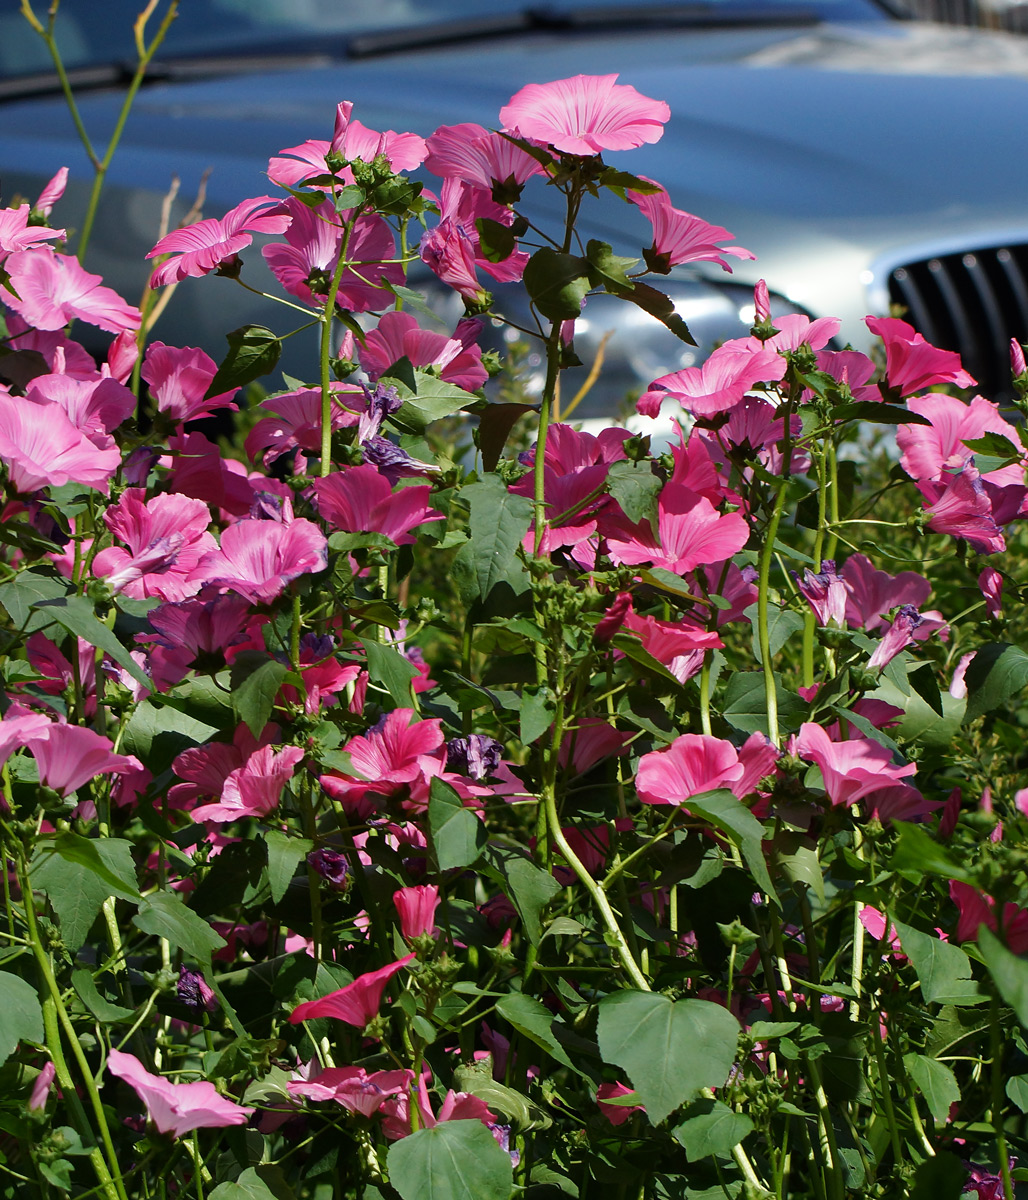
[972,301]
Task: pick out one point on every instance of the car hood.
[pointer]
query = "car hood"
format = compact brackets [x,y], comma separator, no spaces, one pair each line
[828,151]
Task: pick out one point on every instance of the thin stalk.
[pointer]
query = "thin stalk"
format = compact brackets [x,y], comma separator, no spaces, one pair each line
[996,1041]
[766,554]
[326,350]
[545,409]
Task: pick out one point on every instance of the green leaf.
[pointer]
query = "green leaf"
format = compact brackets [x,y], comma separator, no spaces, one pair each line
[940,1177]
[495,421]
[157,733]
[78,874]
[917,854]
[635,488]
[728,813]
[745,706]
[782,624]
[164,915]
[557,283]
[531,1018]
[27,590]
[498,522]
[943,970]
[670,1049]
[496,241]
[658,305]
[283,855]
[253,351]
[20,1014]
[433,399]
[458,836]
[455,1160]
[239,866]
[993,451]
[608,268]
[1017,1090]
[1008,971]
[997,673]
[937,1082]
[249,1186]
[878,413]
[537,709]
[255,680]
[714,1129]
[528,887]
[387,666]
[922,679]
[865,727]
[84,983]
[76,614]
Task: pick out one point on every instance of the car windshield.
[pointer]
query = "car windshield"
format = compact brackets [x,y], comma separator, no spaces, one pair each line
[92,34]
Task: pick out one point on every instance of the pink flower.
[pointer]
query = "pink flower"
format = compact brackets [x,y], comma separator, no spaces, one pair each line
[166,537]
[825,592]
[691,532]
[398,335]
[52,192]
[41,1088]
[395,755]
[913,364]
[357,1003]
[17,234]
[456,1106]
[258,558]
[990,582]
[585,115]
[179,379]
[306,261]
[42,448]
[353,1088]
[850,368]
[872,594]
[960,506]
[479,157]
[416,908]
[897,637]
[95,406]
[254,789]
[1017,363]
[693,764]
[977,909]
[679,237]
[717,386]
[177,1108]
[616,1114]
[69,756]
[52,289]
[201,248]
[929,451]
[360,500]
[297,423]
[761,303]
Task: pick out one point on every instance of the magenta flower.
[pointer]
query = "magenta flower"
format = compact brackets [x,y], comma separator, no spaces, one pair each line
[693,764]
[353,1088]
[95,406]
[825,592]
[976,909]
[17,727]
[42,448]
[41,1088]
[480,158]
[990,582]
[255,788]
[398,335]
[201,248]
[52,192]
[360,500]
[207,767]
[179,379]
[912,364]
[691,532]
[960,506]
[416,907]
[166,537]
[616,1114]
[258,558]
[306,261]
[850,368]
[16,234]
[177,1108]
[456,1106]
[717,386]
[395,755]
[931,450]
[357,1003]
[676,644]
[297,423]
[69,756]
[873,594]
[898,636]
[679,237]
[52,289]
[1017,363]
[586,114]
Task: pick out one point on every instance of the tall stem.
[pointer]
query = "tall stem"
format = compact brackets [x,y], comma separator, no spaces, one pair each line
[996,1041]
[766,554]
[326,350]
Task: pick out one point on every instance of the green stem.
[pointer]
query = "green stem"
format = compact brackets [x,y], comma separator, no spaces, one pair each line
[549,391]
[326,349]
[996,1040]
[766,554]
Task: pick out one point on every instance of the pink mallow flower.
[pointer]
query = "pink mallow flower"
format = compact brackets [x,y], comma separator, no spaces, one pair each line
[41,1088]
[258,558]
[616,1114]
[201,248]
[990,582]
[912,364]
[361,500]
[16,234]
[297,421]
[898,636]
[166,537]
[398,335]
[177,1108]
[693,764]
[679,237]
[720,384]
[52,289]
[456,1106]
[416,907]
[42,448]
[68,756]
[395,756]
[480,158]
[977,909]
[586,114]
[254,789]
[357,1003]
[960,505]
[179,379]
[352,1087]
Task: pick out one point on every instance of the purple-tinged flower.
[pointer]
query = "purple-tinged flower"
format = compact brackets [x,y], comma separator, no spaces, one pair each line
[199,249]
[1017,363]
[330,865]
[898,636]
[761,303]
[177,1108]
[825,592]
[476,755]
[987,1183]
[416,908]
[194,992]
[991,583]
[383,401]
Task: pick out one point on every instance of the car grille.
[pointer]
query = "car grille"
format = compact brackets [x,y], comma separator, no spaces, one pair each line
[974,303]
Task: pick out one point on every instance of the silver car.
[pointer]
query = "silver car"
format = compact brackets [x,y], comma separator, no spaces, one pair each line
[867,161]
